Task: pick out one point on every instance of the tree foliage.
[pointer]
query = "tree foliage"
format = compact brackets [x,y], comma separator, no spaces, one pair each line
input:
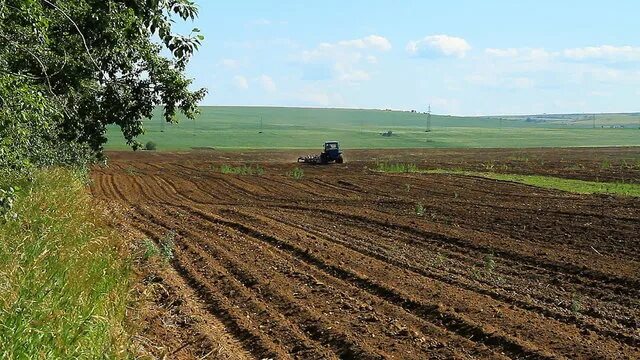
[69,68]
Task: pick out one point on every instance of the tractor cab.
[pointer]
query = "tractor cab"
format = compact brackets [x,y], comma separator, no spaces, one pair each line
[332,152]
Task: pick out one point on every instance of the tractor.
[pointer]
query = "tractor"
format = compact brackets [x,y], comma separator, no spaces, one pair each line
[330,154]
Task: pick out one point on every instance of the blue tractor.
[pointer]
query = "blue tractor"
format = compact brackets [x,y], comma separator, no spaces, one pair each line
[330,154]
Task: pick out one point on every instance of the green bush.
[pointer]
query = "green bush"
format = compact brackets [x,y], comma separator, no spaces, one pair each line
[151,146]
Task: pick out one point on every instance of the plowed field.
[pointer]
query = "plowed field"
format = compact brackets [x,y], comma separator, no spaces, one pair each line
[338,264]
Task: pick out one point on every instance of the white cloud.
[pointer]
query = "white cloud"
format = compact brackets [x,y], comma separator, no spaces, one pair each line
[521,54]
[370,42]
[510,53]
[347,57]
[240,82]
[353,75]
[494,79]
[347,48]
[267,83]
[604,52]
[229,63]
[439,45]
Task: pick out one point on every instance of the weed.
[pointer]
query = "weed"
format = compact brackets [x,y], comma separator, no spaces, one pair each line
[150,249]
[489,165]
[489,263]
[576,303]
[407,187]
[606,164]
[397,168]
[241,170]
[455,195]
[419,209]
[476,274]
[130,170]
[64,274]
[167,246]
[440,259]
[296,173]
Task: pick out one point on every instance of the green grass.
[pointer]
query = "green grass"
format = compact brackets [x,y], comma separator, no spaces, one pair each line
[550,182]
[396,168]
[298,128]
[241,170]
[64,275]
[296,173]
[546,182]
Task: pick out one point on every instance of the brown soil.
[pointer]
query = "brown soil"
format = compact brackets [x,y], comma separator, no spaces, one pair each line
[339,265]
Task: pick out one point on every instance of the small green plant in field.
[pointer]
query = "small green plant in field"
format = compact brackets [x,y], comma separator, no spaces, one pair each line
[167,246]
[241,170]
[419,209]
[130,170]
[576,303]
[606,164]
[151,146]
[489,263]
[150,249]
[489,165]
[407,187]
[396,168]
[441,259]
[296,173]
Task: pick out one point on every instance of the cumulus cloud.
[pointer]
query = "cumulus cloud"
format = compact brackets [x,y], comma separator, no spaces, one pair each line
[370,42]
[604,52]
[347,57]
[509,53]
[347,48]
[531,55]
[240,82]
[589,53]
[439,45]
[267,83]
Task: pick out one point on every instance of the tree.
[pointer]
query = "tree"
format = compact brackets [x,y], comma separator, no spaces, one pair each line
[91,63]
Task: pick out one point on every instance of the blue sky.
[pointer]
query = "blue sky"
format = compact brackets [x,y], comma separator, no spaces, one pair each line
[462,57]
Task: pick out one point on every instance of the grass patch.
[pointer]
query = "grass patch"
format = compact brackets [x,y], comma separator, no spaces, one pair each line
[550,182]
[241,170]
[397,168]
[296,173]
[419,209]
[64,274]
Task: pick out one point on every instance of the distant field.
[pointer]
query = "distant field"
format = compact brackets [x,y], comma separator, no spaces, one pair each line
[268,128]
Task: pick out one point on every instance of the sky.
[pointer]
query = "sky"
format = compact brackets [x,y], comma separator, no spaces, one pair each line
[461,57]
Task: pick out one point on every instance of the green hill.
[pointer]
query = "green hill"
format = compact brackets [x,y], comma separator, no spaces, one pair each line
[272,127]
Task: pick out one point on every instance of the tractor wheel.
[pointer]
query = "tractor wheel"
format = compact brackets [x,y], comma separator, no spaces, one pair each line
[339,160]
